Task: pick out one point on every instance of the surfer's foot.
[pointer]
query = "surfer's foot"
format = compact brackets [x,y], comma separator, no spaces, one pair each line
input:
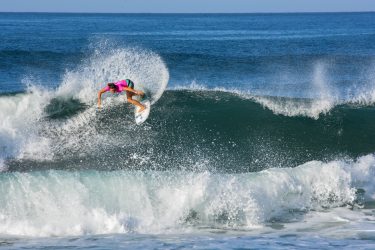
[141,93]
[141,109]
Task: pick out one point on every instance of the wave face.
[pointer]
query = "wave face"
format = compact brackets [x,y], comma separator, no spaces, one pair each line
[188,129]
[45,203]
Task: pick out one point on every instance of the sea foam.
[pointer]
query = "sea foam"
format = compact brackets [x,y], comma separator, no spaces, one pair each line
[45,203]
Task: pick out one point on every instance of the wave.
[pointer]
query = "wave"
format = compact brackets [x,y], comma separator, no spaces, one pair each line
[317,98]
[233,133]
[189,127]
[45,203]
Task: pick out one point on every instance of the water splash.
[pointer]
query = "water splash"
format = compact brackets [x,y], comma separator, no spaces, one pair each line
[145,68]
[23,115]
[97,202]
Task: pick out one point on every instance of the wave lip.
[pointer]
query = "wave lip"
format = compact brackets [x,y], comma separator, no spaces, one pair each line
[313,108]
[317,96]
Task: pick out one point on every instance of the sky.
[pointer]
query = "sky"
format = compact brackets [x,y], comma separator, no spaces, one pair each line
[186,6]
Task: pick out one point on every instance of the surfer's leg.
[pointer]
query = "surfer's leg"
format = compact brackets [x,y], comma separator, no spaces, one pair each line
[129,96]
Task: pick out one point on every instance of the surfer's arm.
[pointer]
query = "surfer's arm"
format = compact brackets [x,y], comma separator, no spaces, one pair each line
[100,96]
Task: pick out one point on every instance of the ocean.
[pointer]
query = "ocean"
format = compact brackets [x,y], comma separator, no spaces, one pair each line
[261,133]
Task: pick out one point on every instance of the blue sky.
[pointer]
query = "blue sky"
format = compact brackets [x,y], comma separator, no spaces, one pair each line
[186,6]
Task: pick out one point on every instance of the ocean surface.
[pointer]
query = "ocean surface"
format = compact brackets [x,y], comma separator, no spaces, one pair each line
[261,133]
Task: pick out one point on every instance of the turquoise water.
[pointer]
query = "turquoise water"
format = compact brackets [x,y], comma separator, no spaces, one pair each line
[261,133]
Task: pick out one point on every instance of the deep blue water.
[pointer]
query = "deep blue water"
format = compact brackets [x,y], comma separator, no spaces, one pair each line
[247,50]
[261,132]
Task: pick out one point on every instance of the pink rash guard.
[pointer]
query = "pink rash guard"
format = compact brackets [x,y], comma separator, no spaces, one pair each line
[120,85]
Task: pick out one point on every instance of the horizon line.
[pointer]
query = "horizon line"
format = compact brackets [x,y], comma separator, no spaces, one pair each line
[260,12]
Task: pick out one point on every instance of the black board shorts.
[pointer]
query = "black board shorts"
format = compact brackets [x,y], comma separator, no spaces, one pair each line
[130,83]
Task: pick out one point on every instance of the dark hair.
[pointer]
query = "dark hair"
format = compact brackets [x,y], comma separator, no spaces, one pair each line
[111,85]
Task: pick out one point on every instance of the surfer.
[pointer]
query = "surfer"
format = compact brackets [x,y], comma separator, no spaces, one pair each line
[120,86]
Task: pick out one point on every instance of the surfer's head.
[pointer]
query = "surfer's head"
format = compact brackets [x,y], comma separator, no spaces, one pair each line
[112,87]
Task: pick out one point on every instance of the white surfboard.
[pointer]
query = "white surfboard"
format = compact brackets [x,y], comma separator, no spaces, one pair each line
[141,117]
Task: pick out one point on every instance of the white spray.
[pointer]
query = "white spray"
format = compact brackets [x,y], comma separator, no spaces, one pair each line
[23,117]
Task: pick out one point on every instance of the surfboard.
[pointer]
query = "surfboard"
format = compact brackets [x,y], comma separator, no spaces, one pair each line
[141,117]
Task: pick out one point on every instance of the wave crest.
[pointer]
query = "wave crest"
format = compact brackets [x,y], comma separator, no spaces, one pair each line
[96,202]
